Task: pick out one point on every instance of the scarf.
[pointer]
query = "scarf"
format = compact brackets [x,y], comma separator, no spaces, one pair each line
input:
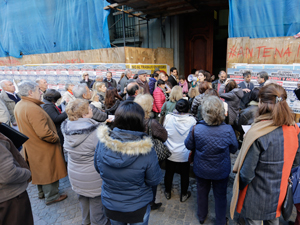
[185,88]
[57,108]
[70,92]
[164,91]
[262,125]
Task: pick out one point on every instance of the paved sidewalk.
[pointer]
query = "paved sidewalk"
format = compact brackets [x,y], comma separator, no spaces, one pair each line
[172,212]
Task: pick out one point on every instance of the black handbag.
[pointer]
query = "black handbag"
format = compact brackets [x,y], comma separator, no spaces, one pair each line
[15,136]
[287,205]
[161,150]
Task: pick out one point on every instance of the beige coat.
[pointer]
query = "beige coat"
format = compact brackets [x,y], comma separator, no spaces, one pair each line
[42,151]
[10,104]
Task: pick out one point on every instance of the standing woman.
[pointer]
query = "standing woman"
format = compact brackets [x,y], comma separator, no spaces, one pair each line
[158,132]
[178,126]
[68,95]
[128,165]
[80,132]
[169,106]
[165,78]
[233,95]
[160,96]
[50,98]
[212,140]
[112,100]
[204,76]
[263,166]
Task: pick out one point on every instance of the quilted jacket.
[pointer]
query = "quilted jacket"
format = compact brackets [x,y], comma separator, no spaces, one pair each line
[159,100]
[213,145]
[128,165]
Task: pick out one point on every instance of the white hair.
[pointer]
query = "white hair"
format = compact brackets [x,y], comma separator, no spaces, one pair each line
[79,90]
[39,79]
[26,86]
[68,85]
[2,83]
[213,112]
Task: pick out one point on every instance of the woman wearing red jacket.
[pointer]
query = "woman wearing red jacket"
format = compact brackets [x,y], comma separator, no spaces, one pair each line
[160,96]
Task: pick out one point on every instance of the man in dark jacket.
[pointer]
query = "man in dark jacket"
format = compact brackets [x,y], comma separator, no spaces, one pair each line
[128,75]
[247,87]
[142,81]
[262,77]
[109,81]
[132,90]
[217,83]
[86,80]
[173,77]
[82,91]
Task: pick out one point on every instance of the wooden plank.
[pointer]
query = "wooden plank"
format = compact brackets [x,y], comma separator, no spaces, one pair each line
[111,6]
[105,55]
[136,15]
[164,56]
[278,50]
[139,55]
[120,13]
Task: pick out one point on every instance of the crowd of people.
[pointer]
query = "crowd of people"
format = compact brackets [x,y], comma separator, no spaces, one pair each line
[100,133]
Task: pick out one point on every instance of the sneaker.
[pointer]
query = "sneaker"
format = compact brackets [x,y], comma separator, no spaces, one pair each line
[183,198]
[155,206]
[167,195]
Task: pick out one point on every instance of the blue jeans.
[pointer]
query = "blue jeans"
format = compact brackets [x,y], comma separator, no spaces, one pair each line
[145,221]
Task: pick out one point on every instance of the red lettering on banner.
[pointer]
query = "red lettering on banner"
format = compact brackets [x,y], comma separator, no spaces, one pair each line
[241,52]
[287,51]
[259,47]
[250,51]
[70,61]
[232,52]
[266,52]
[280,53]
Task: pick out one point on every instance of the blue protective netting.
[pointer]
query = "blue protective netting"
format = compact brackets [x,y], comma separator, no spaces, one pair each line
[263,18]
[47,26]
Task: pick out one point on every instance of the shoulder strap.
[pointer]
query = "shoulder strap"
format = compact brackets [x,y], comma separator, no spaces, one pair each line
[149,127]
[193,131]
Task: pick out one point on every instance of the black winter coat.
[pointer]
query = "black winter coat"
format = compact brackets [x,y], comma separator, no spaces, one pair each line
[56,117]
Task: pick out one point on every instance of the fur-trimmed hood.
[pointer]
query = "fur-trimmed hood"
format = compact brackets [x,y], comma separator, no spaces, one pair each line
[75,132]
[122,147]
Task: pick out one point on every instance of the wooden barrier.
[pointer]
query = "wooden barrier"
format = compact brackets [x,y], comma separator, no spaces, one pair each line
[278,50]
[105,55]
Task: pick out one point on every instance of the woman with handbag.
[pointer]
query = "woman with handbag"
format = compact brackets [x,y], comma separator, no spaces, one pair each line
[265,160]
[213,141]
[157,131]
[169,106]
[178,126]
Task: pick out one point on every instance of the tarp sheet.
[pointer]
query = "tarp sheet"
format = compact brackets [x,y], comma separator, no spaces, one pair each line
[47,26]
[262,19]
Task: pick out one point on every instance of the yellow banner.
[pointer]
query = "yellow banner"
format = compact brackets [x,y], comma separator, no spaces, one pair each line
[151,67]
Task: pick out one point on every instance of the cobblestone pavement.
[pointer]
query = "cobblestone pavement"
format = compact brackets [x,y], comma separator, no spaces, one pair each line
[172,212]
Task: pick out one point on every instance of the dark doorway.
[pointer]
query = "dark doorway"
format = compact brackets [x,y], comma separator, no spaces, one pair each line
[199,41]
